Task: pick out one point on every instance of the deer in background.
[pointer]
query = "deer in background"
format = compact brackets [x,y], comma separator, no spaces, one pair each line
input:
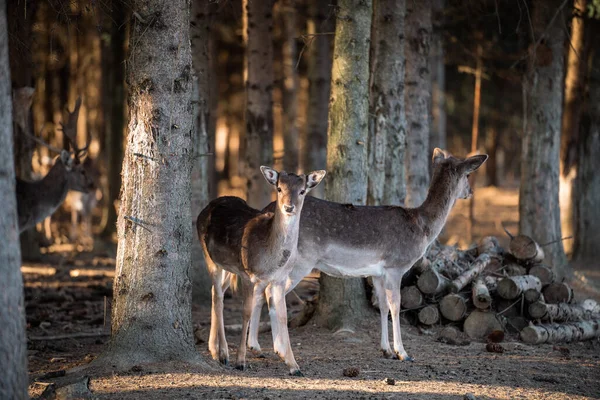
[38,199]
[83,204]
[260,248]
[379,241]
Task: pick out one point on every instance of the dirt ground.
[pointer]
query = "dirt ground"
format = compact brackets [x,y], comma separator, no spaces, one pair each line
[70,294]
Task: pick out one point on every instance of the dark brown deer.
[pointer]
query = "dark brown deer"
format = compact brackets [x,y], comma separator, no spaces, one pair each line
[39,199]
[382,242]
[260,248]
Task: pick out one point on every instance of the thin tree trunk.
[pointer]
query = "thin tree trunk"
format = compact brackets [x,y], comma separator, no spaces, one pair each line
[151,315]
[491,148]
[437,137]
[290,85]
[475,138]
[200,35]
[539,212]
[321,25]
[574,86]
[343,302]
[13,347]
[387,140]
[418,100]
[259,100]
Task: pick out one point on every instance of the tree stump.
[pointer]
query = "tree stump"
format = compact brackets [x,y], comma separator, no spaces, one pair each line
[512,287]
[524,248]
[411,297]
[556,293]
[429,315]
[478,265]
[432,282]
[481,295]
[558,333]
[479,324]
[544,273]
[453,307]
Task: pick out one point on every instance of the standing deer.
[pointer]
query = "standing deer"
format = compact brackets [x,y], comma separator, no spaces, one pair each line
[39,199]
[382,242]
[260,248]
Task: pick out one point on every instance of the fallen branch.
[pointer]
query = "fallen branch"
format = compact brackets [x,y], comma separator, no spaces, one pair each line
[78,335]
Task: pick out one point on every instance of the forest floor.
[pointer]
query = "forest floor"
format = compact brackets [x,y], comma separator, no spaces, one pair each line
[70,293]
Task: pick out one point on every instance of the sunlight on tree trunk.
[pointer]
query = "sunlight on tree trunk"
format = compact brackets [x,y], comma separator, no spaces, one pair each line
[290,85]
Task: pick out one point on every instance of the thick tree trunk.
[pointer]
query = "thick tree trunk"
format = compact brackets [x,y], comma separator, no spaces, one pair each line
[587,184]
[13,347]
[259,100]
[200,37]
[343,303]
[387,138]
[321,24]
[574,86]
[437,136]
[539,212]
[290,86]
[114,109]
[418,100]
[151,315]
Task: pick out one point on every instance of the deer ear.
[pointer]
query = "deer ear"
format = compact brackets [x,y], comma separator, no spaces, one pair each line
[473,163]
[270,174]
[438,155]
[65,158]
[314,178]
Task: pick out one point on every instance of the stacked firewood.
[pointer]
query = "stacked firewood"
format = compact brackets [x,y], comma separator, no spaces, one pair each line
[486,290]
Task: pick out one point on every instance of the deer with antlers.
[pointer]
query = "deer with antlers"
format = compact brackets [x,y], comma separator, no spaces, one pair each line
[39,199]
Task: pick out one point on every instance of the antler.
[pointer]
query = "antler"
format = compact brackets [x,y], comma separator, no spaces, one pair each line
[70,130]
[40,141]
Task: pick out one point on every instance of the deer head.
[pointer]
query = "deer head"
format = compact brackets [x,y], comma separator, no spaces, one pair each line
[457,171]
[291,188]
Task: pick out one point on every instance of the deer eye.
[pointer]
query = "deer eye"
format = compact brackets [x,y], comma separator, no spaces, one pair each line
[302,192]
[279,189]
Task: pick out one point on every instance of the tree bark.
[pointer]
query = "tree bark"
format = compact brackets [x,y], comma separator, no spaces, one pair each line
[321,24]
[290,86]
[151,315]
[539,212]
[437,137]
[387,139]
[259,100]
[200,40]
[13,347]
[343,303]
[418,100]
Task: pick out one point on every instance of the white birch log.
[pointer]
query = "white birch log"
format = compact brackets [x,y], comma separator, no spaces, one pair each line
[560,312]
[524,248]
[453,307]
[463,280]
[429,315]
[512,287]
[481,295]
[432,282]
[533,295]
[544,273]
[558,333]
[556,293]
[411,297]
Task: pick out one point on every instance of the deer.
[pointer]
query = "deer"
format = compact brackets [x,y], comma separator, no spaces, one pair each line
[260,248]
[39,199]
[383,242]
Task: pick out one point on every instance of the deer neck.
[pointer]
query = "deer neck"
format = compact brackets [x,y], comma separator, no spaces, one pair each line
[437,206]
[55,184]
[284,230]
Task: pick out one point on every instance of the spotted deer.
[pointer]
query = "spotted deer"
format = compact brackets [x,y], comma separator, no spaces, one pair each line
[38,199]
[259,247]
[383,242]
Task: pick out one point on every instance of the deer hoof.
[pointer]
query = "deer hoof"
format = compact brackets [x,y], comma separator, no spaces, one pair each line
[224,360]
[240,366]
[406,358]
[390,355]
[296,373]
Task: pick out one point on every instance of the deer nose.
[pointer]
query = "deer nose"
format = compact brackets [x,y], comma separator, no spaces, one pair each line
[288,209]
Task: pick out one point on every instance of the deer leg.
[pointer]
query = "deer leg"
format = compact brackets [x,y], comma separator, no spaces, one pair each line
[217,344]
[393,295]
[384,310]
[258,301]
[281,338]
[247,296]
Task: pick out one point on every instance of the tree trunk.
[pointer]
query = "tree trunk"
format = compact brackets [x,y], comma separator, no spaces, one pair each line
[587,184]
[574,87]
[539,212]
[259,100]
[321,24]
[343,303]
[290,86]
[13,347]
[151,315]
[114,109]
[437,136]
[418,100]
[387,139]
[200,35]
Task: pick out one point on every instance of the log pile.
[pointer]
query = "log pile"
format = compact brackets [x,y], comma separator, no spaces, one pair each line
[486,289]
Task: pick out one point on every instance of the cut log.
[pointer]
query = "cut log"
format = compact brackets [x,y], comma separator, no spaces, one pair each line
[432,282]
[533,295]
[453,307]
[514,270]
[463,280]
[494,266]
[559,312]
[489,245]
[452,335]
[512,287]
[429,315]
[558,333]
[544,273]
[556,293]
[481,295]
[479,324]
[491,282]
[524,248]
[590,306]
[411,297]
